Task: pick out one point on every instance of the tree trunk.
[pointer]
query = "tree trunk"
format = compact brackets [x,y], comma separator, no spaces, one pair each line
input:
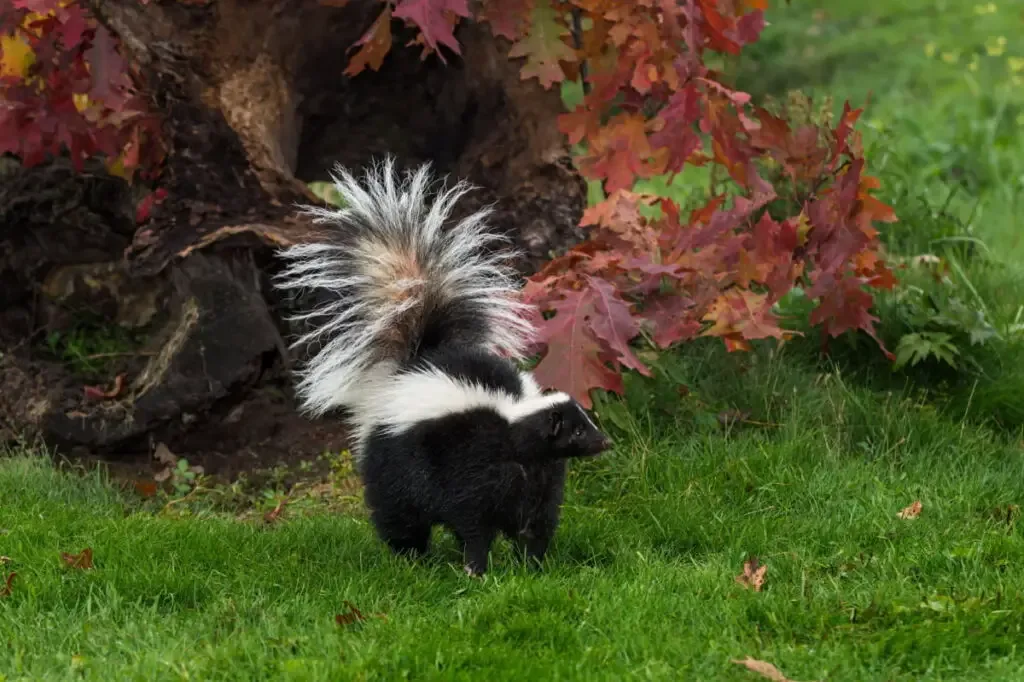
[255,105]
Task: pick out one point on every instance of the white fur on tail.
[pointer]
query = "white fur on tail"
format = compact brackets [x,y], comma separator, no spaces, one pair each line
[392,253]
[400,401]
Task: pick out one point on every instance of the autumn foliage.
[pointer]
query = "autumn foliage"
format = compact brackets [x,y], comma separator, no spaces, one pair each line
[790,203]
[65,88]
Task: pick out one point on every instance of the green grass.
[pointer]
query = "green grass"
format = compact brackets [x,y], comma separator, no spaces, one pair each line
[640,581]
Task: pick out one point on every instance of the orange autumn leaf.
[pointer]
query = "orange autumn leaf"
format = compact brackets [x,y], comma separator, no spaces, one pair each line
[82,561]
[753,575]
[763,668]
[911,511]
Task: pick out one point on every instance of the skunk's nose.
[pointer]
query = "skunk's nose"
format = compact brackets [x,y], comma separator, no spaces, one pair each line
[604,443]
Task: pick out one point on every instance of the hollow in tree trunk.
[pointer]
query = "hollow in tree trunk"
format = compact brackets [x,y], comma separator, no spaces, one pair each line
[255,105]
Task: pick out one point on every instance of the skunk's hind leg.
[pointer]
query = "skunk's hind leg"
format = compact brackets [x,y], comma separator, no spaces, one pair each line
[404,534]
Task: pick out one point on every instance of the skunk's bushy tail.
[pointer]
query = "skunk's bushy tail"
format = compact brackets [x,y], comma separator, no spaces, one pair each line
[399,281]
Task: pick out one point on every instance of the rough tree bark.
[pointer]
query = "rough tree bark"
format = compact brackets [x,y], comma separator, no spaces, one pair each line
[255,105]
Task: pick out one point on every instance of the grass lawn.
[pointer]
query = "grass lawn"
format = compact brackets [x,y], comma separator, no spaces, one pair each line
[640,583]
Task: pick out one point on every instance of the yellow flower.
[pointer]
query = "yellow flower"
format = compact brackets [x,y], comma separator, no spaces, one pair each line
[929,50]
[987,8]
[951,57]
[1016,64]
[973,66]
[995,47]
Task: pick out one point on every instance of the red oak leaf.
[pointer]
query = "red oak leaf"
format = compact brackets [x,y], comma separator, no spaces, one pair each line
[506,17]
[543,46]
[108,69]
[614,324]
[35,6]
[745,314]
[573,362]
[376,43]
[671,318]
[582,122]
[620,153]
[749,27]
[675,127]
[435,20]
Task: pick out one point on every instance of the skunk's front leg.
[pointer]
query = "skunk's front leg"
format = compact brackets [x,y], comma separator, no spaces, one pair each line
[476,547]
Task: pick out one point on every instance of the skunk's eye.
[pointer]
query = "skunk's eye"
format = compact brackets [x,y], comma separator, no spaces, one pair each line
[577,432]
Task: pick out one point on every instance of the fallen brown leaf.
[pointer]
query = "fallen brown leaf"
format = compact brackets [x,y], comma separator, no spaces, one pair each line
[352,616]
[145,488]
[5,591]
[912,511]
[763,668]
[82,560]
[274,513]
[99,393]
[753,575]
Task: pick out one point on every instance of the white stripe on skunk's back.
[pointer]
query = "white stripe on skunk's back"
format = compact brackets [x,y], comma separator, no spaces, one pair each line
[402,400]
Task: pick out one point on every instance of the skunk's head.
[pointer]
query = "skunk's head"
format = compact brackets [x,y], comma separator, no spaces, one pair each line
[557,426]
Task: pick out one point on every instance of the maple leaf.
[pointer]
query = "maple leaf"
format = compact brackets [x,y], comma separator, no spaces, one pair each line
[753,575]
[82,560]
[435,19]
[762,668]
[376,43]
[543,46]
[911,511]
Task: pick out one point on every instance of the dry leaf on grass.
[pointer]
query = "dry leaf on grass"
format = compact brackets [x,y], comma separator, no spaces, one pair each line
[753,575]
[275,513]
[82,560]
[5,591]
[911,512]
[354,615]
[763,668]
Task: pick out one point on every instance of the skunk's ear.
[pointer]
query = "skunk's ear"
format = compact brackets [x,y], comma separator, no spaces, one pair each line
[554,423]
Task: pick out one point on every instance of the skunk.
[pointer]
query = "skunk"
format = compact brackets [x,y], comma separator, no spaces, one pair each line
[417,339]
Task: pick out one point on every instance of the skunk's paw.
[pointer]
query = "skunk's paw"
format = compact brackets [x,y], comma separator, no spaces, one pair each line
[472,572]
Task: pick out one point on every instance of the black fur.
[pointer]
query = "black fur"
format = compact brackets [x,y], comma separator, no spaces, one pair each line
[473,472]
